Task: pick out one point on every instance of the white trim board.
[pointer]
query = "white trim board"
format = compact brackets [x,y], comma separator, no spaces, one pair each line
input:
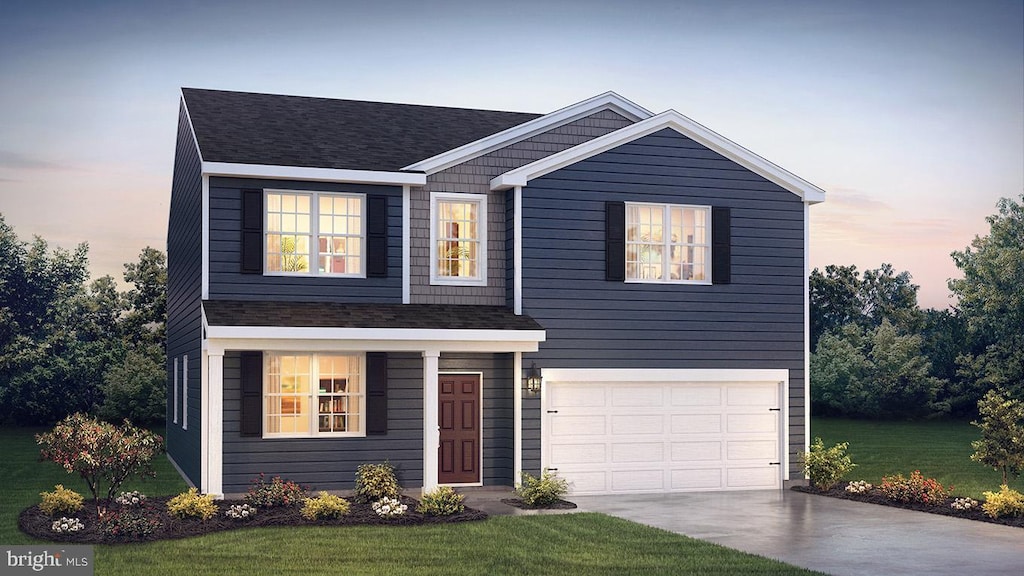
[271,172]
[669,119]
[607,101]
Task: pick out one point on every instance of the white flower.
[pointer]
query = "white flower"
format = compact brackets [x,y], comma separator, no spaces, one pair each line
[67,525]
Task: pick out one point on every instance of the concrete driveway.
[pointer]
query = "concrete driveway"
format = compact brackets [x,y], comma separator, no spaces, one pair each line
[827,534]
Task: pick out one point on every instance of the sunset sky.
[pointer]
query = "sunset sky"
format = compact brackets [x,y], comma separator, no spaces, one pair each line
[909,114]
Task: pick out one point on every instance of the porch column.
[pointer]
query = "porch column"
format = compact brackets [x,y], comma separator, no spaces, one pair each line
[431,427]
[517,417]
[215,424]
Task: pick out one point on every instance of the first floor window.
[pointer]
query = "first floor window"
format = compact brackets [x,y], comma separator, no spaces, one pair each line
[313,394]
[667,243]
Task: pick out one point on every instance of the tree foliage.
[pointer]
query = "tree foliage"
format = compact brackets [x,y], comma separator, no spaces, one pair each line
[1002,434]
[59,335]
[841,295]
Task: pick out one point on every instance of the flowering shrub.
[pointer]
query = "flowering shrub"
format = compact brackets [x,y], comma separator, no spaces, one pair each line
[441,501]
[240,512]
[65,525]
[276,493]
[128,524]
[389,507]
[1006,502]
[859,487]
[61,500]
[964,504]
[99,451]
[543,491]
[324,506]
[192,504]
[916,488]
[826,466]
[376,481]
[133,498]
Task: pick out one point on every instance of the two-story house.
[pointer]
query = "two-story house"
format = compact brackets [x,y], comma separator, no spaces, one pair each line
[614,294]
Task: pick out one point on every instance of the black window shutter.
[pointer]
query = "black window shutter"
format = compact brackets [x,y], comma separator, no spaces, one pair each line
[252,394]
[615,241]
[252,231]
[721,246]
[376,393]
[377,236]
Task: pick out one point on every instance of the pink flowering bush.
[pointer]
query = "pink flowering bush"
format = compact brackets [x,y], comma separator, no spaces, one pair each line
[916,488]
[100,452]
[277,492]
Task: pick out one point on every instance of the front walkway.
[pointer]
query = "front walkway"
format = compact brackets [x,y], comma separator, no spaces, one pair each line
[827,534]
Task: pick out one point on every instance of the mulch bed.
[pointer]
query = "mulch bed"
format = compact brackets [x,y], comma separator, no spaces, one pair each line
[944,509]
[34,522]
[557,505]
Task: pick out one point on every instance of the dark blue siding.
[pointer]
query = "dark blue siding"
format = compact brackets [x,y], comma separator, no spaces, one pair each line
[227,281]
[184,293]
[757,321]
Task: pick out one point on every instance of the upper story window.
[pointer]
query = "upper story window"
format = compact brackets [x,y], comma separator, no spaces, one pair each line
[458,239]
[667,243]
[314,233]
[313,395]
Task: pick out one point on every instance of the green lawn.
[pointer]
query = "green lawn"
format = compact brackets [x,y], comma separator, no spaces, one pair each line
[551,544]
[938,448]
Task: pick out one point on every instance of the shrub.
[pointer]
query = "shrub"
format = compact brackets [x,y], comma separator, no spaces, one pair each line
[192,504]
[240,512]
[276,493]
[826,466]
[441,501]
[389,507]
[376,481]
[1006,502]
[1002,434]
[543,491]
[100,452]
[916,488]
[128,524]
[133,498]
[61,500]
[65,524]
[859,487]
[324,506]
[135,388]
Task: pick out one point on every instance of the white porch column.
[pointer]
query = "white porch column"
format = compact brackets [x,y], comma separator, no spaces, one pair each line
[517,417]
[214,473]
[431,426]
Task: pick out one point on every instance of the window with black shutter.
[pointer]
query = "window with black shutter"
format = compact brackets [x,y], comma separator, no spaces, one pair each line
[252,231]
[377,237]
[252,394]
[615,241]
[376,393]
[721,245]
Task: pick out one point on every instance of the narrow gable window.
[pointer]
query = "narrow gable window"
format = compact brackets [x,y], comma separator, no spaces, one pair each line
[314,233]
[184,392]
[313,395]
[458,239]
[667,243]
[175,387]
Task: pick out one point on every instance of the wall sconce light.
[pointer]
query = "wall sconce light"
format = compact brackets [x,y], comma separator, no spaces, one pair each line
[533,380]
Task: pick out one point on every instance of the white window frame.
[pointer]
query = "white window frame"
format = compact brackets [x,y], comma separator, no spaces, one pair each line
[481,201]
[314,231]
[667,245]
[184,392]
[314,428]
[175,388]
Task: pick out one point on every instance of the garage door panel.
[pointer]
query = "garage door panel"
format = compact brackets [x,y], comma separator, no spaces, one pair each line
[696,424]
[752,478]
[578,425]
[645,452]
[565,454]
[592,482]
[576,396]
[638,396]
[690,396]
[638,480]
[638,424]
[752,449]
[766,422]
[697,479]
[696,451]
[751,395]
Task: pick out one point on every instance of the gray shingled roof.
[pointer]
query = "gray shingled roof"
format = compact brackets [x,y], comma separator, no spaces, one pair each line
[333,315]
[249,128]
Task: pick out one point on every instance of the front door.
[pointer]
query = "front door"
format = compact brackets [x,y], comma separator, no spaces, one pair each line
[458,456]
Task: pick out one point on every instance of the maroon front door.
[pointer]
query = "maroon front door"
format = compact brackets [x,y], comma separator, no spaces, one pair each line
[458,456]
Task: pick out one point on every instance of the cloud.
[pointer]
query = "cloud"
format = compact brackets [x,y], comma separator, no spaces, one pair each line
[19,161]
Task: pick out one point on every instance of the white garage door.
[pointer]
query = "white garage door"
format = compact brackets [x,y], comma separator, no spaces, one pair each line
[634,437]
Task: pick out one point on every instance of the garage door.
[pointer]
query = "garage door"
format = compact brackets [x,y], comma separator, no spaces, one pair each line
[634,437]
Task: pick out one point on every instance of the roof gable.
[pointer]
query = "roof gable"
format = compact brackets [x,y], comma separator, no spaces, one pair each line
[673,120]
[607,101]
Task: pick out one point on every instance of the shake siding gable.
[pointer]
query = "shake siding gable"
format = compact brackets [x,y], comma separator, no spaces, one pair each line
[184,285]
[756,321]
[474,177]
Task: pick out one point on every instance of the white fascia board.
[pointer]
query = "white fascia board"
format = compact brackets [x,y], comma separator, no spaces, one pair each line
[221,338]
[521,176]
[590,375]
[221,345]
[232,169]
[607,101]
